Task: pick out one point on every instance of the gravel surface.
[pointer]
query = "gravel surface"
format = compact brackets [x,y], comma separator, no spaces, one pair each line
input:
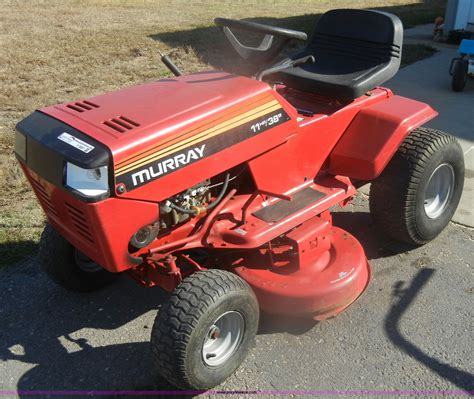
[411,330]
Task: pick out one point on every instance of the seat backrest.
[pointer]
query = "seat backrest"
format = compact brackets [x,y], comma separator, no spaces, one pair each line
[373,37]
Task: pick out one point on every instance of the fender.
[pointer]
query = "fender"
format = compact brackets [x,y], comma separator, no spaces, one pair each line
[374,136]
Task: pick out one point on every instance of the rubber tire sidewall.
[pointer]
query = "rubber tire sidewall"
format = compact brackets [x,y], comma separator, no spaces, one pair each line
[429,228]
[57,258]
[204,376]
[459,80]
[183,323]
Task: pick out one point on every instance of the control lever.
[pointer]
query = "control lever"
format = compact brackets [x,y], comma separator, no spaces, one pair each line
[285,64]
[170,64]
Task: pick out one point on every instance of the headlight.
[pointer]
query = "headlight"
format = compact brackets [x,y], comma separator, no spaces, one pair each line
[89,182]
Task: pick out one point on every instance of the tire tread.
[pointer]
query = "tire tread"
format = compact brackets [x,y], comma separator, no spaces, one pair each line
[181,314]
[393,193]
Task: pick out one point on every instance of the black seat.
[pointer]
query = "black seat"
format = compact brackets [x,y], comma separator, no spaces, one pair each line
[354,50]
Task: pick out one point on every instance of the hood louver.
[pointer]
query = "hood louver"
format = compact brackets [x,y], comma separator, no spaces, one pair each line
[121,124]
[82,106]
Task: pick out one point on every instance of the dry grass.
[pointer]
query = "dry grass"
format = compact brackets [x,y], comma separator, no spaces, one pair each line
[56,51]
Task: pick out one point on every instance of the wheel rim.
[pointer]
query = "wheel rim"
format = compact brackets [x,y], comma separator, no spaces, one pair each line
[439,190]
[85,263]
[223,338]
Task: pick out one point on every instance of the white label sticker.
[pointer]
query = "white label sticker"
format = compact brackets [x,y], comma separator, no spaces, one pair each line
[75,142]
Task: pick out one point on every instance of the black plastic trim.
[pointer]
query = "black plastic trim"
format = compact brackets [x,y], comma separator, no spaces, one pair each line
[46,155]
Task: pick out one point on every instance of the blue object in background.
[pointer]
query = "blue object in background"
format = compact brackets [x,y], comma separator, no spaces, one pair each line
[467,47]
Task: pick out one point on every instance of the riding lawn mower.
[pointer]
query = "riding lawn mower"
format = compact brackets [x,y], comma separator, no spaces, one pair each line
[218,187]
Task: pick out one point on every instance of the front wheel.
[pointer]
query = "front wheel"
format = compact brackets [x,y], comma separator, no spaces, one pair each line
[204,331]
[68,267]
[417,194]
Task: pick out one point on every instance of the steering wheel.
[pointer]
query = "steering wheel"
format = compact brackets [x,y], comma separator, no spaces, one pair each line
[261,28]
[268,48]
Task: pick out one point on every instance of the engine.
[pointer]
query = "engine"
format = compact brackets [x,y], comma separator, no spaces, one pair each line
[191,203]
[174,211]
[182,206]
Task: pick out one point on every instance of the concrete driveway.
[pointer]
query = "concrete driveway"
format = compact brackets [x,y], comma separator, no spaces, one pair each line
[410,333]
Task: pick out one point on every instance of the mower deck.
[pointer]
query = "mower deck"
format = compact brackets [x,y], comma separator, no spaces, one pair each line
[331,273]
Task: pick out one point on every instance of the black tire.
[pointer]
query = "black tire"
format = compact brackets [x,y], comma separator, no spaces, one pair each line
[184,322]
[459,72]
[397,196]
[59,260]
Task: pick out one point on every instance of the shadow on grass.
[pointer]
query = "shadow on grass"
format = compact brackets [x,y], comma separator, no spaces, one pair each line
[406,297]
[13,251]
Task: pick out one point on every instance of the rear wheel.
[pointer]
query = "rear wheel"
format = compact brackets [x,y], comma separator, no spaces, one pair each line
[204,331]
[459,72]
[68,267]
[418,192]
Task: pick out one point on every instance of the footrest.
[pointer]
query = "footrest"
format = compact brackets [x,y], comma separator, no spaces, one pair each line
[268,219]
[283,208]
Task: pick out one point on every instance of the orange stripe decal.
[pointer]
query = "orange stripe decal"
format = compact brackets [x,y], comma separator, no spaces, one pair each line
[229,114]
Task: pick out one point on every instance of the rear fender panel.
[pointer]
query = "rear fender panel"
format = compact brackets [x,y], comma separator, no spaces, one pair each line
[374,136]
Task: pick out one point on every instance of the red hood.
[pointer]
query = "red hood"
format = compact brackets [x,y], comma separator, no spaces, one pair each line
[129,121]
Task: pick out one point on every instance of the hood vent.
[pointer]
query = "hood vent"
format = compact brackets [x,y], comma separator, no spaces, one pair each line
[121,124]
[82,106]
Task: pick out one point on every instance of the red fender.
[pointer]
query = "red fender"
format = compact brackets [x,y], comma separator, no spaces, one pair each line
[374,136]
